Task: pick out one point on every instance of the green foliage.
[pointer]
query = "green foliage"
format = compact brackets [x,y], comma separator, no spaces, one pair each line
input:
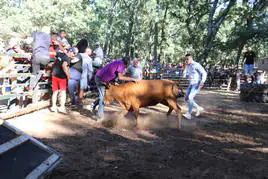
[69,15]
[129,25]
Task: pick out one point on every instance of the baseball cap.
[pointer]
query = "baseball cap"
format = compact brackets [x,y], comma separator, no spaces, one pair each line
[72,49]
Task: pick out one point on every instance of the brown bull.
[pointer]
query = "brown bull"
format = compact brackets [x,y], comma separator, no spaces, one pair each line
[134,95]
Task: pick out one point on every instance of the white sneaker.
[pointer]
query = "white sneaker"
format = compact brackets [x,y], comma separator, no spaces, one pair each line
[62,110]
[90,107]
[187,115]
[53,109]
[199,111]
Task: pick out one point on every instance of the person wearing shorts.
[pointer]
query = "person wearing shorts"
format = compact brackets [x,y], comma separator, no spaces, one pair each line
[58,84]
[60,75]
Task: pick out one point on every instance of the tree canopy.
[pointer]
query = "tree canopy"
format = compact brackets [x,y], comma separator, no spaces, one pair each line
[214,32]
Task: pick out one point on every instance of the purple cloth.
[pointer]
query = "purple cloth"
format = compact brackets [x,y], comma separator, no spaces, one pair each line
[109,72]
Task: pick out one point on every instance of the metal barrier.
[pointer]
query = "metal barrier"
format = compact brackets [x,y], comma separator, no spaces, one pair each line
[14,83]
[25,155]
[182,81]
[212,82]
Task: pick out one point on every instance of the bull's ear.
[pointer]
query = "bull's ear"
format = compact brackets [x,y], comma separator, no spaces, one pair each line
[107,85]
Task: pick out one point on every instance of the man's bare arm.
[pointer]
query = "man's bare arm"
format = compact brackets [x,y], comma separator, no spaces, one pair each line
[121,77]
[66,69]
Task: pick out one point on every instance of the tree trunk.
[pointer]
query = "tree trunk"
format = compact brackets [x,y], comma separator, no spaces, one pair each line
[214,24]
[240,48]
[156,35]
[110,49]
[150,40]
[129,35]
[132,49]
[155,41]
[109,27]
[163,34]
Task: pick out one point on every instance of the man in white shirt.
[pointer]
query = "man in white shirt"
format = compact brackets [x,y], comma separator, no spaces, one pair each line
[197,77]
[98,53]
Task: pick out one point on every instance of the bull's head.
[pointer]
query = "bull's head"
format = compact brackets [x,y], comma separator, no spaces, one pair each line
[109,93]
[181,93]
[178,91]
[107,85]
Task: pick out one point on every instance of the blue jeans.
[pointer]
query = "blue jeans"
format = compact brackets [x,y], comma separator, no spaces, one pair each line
[100,100]
[189,96]
[258,81]
[73,84]
[249,69]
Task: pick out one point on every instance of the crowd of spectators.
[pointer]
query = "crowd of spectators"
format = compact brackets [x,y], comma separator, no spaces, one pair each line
[166,68]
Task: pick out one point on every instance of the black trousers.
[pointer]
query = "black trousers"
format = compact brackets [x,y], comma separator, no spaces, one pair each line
[37,61]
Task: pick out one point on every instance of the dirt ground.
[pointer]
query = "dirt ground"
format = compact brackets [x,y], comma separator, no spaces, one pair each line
[229,140]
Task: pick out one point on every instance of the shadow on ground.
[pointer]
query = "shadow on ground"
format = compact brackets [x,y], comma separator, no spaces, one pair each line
[229,140]
[231,145]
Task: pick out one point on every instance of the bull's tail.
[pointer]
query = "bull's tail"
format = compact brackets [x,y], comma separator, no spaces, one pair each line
[177,91]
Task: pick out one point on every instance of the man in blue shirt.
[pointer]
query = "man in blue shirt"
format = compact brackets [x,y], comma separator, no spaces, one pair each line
[135,70]
[197,77]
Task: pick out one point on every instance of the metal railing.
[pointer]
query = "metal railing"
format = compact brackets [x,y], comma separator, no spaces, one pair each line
[14,84]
